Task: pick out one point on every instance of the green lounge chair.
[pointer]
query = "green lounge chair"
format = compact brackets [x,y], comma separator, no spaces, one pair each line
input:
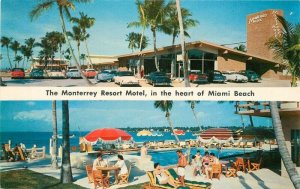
[191,184]
[154,183]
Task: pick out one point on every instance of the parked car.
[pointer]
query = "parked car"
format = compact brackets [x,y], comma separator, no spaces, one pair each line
[252,76]
[105,75]
[90,73]
[234,77]
[73,73]
[125,78]
[158,78]
[215,76]
[37,73]
[197,77]
[17,73]
[56,74]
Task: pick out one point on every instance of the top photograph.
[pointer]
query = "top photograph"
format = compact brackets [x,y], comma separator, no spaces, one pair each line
[150,43]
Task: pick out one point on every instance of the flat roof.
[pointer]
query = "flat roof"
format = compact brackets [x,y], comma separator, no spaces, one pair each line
[199,44]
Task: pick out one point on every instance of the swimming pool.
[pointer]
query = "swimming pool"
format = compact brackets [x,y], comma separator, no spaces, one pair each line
[170,157]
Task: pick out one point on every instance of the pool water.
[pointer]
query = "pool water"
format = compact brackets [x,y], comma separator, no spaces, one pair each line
[170,157]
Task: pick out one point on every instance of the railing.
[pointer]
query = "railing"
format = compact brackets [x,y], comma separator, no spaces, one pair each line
[36,153]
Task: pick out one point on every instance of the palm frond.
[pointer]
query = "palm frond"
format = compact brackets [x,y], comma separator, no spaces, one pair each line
[40,8]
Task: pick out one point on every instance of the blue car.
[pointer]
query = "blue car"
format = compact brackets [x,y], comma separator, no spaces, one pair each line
[105,75]
[73,73]
[37,73]
[158,79]
[215,76]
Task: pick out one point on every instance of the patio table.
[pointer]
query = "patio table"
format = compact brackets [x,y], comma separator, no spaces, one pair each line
[108,169]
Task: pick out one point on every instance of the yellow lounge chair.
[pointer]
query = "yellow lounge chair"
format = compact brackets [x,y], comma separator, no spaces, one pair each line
[154,184]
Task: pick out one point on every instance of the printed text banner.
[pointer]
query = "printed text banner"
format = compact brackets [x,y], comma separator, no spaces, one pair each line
[131,93]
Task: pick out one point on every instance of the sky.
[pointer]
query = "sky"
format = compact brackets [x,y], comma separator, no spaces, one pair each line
[89,115]
[221,22]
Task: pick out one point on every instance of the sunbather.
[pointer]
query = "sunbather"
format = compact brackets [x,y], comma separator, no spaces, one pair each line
[205,163]
[161,176]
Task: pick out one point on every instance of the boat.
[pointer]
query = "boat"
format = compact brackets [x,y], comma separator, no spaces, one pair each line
[144,133]
[178,132]
[157,133]
[60,136]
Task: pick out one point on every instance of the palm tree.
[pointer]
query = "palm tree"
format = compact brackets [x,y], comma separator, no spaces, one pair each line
[54,136]
[82,58]
[63,8]
[77,36]
[152,14]
[18,59]
[15,46]
[286,48]
[184,58]
[84,23]
[193,105]
[285,155]
[5,41]
[66,170]
[166,106]
[134,41]
[241,47]
[23,50]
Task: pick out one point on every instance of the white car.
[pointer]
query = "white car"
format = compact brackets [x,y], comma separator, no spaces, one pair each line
[56,73]
[125,78]
[73,73]
[234,77]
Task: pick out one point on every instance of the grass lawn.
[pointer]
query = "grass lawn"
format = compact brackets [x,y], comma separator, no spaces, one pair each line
[26,179]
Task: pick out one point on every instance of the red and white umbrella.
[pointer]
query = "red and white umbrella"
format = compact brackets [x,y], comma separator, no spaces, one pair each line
[107,135]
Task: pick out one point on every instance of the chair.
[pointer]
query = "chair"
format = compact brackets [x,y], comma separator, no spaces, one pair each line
[256,165]
[89,172]
[216,169]
[154,184]
[125,177]
[192,184]
[100,179]
[240,164]
[21,154]
[231,172]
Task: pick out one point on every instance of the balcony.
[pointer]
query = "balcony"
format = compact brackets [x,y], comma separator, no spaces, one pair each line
[262,109]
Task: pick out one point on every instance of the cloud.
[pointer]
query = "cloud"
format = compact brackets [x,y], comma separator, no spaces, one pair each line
[34,115]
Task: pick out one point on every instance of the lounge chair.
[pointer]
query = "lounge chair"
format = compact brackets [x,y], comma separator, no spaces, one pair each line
[125,177]
[100,179]
[89,172]
[249,144]
[241,145]
[192,184]
[154,183]
[239,164]
[216,169]
[21,153]
[256,165]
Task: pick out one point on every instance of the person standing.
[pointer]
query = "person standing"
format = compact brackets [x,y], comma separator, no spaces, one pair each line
[144,150]
[188,151]
[181,166]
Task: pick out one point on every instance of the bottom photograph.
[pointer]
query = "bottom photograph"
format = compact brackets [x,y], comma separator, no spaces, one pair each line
[150,144]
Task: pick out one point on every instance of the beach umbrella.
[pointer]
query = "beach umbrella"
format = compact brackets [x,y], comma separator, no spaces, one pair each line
[107,135]
[144,133]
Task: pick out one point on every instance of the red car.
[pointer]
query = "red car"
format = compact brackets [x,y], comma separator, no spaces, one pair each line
[90,73]
[17,73]
[195,77]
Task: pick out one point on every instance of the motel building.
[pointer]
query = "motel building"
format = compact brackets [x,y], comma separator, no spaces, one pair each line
[289,113]
[204,56]
[50,64]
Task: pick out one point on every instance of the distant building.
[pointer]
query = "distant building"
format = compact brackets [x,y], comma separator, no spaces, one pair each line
[101,62]
[50,64]
[290,118]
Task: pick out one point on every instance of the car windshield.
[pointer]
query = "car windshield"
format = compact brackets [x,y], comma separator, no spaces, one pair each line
[18,70]
[251,72]
[73,70]
[158,74]
[217,72]
[36,70]
[125,74]
[89,70]
[54,70]
[108,72]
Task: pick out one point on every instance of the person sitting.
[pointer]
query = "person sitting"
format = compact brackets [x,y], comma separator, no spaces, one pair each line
[122,168]
[161,176]
[196,166]
[205,163]
[213,159]
[99,162]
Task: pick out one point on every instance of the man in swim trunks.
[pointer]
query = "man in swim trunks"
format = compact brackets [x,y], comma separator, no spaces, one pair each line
[181,166]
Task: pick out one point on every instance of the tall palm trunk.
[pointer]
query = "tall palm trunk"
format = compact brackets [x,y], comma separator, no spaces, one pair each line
[88,53]
[54,136]
[78,50]
[285,155]
[185,63]
[9,61]
[155,49]
[195,116]
[173,63]
[172,127]
[66,170]
[70,47]
[140,49]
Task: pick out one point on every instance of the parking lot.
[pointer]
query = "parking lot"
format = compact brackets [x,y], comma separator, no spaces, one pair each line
[175,83]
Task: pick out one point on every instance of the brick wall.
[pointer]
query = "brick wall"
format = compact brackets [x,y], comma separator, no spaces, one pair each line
[228,62]
[261,27]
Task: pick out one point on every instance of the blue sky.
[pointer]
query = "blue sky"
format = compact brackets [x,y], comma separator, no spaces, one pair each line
[221,22]
[89,115]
